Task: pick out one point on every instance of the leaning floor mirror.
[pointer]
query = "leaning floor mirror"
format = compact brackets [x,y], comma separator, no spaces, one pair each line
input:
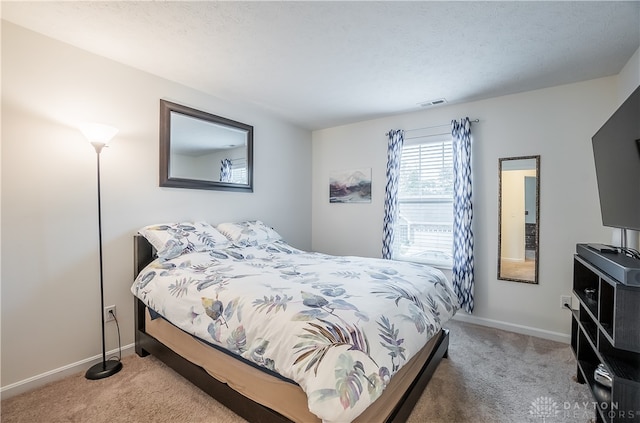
[518,218]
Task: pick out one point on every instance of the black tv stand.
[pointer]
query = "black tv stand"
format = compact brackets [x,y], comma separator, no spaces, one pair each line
[605,329]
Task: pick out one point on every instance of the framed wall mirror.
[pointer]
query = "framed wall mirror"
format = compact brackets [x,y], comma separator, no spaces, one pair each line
[203,151]
[518,218]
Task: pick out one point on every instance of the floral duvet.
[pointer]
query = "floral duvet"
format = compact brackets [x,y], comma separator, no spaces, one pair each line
[340,327]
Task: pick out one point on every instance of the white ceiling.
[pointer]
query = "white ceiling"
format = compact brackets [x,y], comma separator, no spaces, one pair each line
[322,64]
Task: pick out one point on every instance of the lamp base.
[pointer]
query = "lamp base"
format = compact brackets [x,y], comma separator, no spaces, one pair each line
[103,369]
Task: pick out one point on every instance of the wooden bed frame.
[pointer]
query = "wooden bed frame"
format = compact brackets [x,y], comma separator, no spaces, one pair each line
[248,409]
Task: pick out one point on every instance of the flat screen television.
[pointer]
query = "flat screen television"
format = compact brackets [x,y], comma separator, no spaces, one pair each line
[616,150]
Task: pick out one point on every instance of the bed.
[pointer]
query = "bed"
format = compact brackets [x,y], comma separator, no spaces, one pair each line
[278,334]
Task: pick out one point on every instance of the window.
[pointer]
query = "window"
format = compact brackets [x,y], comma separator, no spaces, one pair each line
[239,171]
[424,229]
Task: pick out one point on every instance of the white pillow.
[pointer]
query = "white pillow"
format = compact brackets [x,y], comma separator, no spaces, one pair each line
[250,232]
[173,239]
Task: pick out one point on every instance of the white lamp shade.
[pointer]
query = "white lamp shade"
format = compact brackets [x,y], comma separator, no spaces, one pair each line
[97,132]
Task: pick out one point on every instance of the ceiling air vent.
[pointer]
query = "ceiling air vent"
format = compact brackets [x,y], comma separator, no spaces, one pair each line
[431,103]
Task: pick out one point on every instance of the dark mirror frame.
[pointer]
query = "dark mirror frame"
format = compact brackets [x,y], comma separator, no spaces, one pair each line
[166,180]
[537,224]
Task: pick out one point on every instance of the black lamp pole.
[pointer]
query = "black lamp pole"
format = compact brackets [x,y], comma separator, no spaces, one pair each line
[111,367]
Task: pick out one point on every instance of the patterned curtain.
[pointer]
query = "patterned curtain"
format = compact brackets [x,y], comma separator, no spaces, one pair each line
[462,214]
[394,152]
[225,170]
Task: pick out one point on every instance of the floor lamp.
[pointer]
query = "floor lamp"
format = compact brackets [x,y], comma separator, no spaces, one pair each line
[99,135]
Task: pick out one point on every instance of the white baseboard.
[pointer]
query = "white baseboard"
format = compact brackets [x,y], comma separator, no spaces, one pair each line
[512,327]
[57,374]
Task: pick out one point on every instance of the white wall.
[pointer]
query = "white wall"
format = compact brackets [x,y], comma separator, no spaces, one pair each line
[628,81]
[50,287]
[629,77]
[556,123]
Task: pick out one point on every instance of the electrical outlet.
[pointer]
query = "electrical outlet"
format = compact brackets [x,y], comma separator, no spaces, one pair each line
[565,301]
[108,317]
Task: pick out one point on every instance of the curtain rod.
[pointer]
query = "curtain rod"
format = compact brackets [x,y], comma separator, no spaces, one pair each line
[436,126]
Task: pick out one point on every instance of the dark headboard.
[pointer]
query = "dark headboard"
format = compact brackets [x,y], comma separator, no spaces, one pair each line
[143,254]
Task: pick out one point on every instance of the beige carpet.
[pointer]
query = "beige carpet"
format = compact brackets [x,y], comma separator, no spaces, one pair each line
[490,376]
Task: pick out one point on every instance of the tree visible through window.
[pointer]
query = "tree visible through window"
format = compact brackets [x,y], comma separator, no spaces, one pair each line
[424,229]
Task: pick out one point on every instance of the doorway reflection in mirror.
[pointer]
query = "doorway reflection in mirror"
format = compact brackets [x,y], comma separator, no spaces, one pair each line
[518,219]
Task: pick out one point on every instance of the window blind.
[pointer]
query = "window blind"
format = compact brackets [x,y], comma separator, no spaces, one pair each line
[424,229]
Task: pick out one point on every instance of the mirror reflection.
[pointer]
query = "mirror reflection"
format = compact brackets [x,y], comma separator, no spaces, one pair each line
[518,218]
[201,150]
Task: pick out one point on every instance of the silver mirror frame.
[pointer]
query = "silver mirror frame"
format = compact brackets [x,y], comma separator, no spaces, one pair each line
[167,108]
[502,275]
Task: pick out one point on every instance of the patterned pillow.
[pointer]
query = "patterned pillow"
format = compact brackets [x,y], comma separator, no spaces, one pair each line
[173,239]
[250,232]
